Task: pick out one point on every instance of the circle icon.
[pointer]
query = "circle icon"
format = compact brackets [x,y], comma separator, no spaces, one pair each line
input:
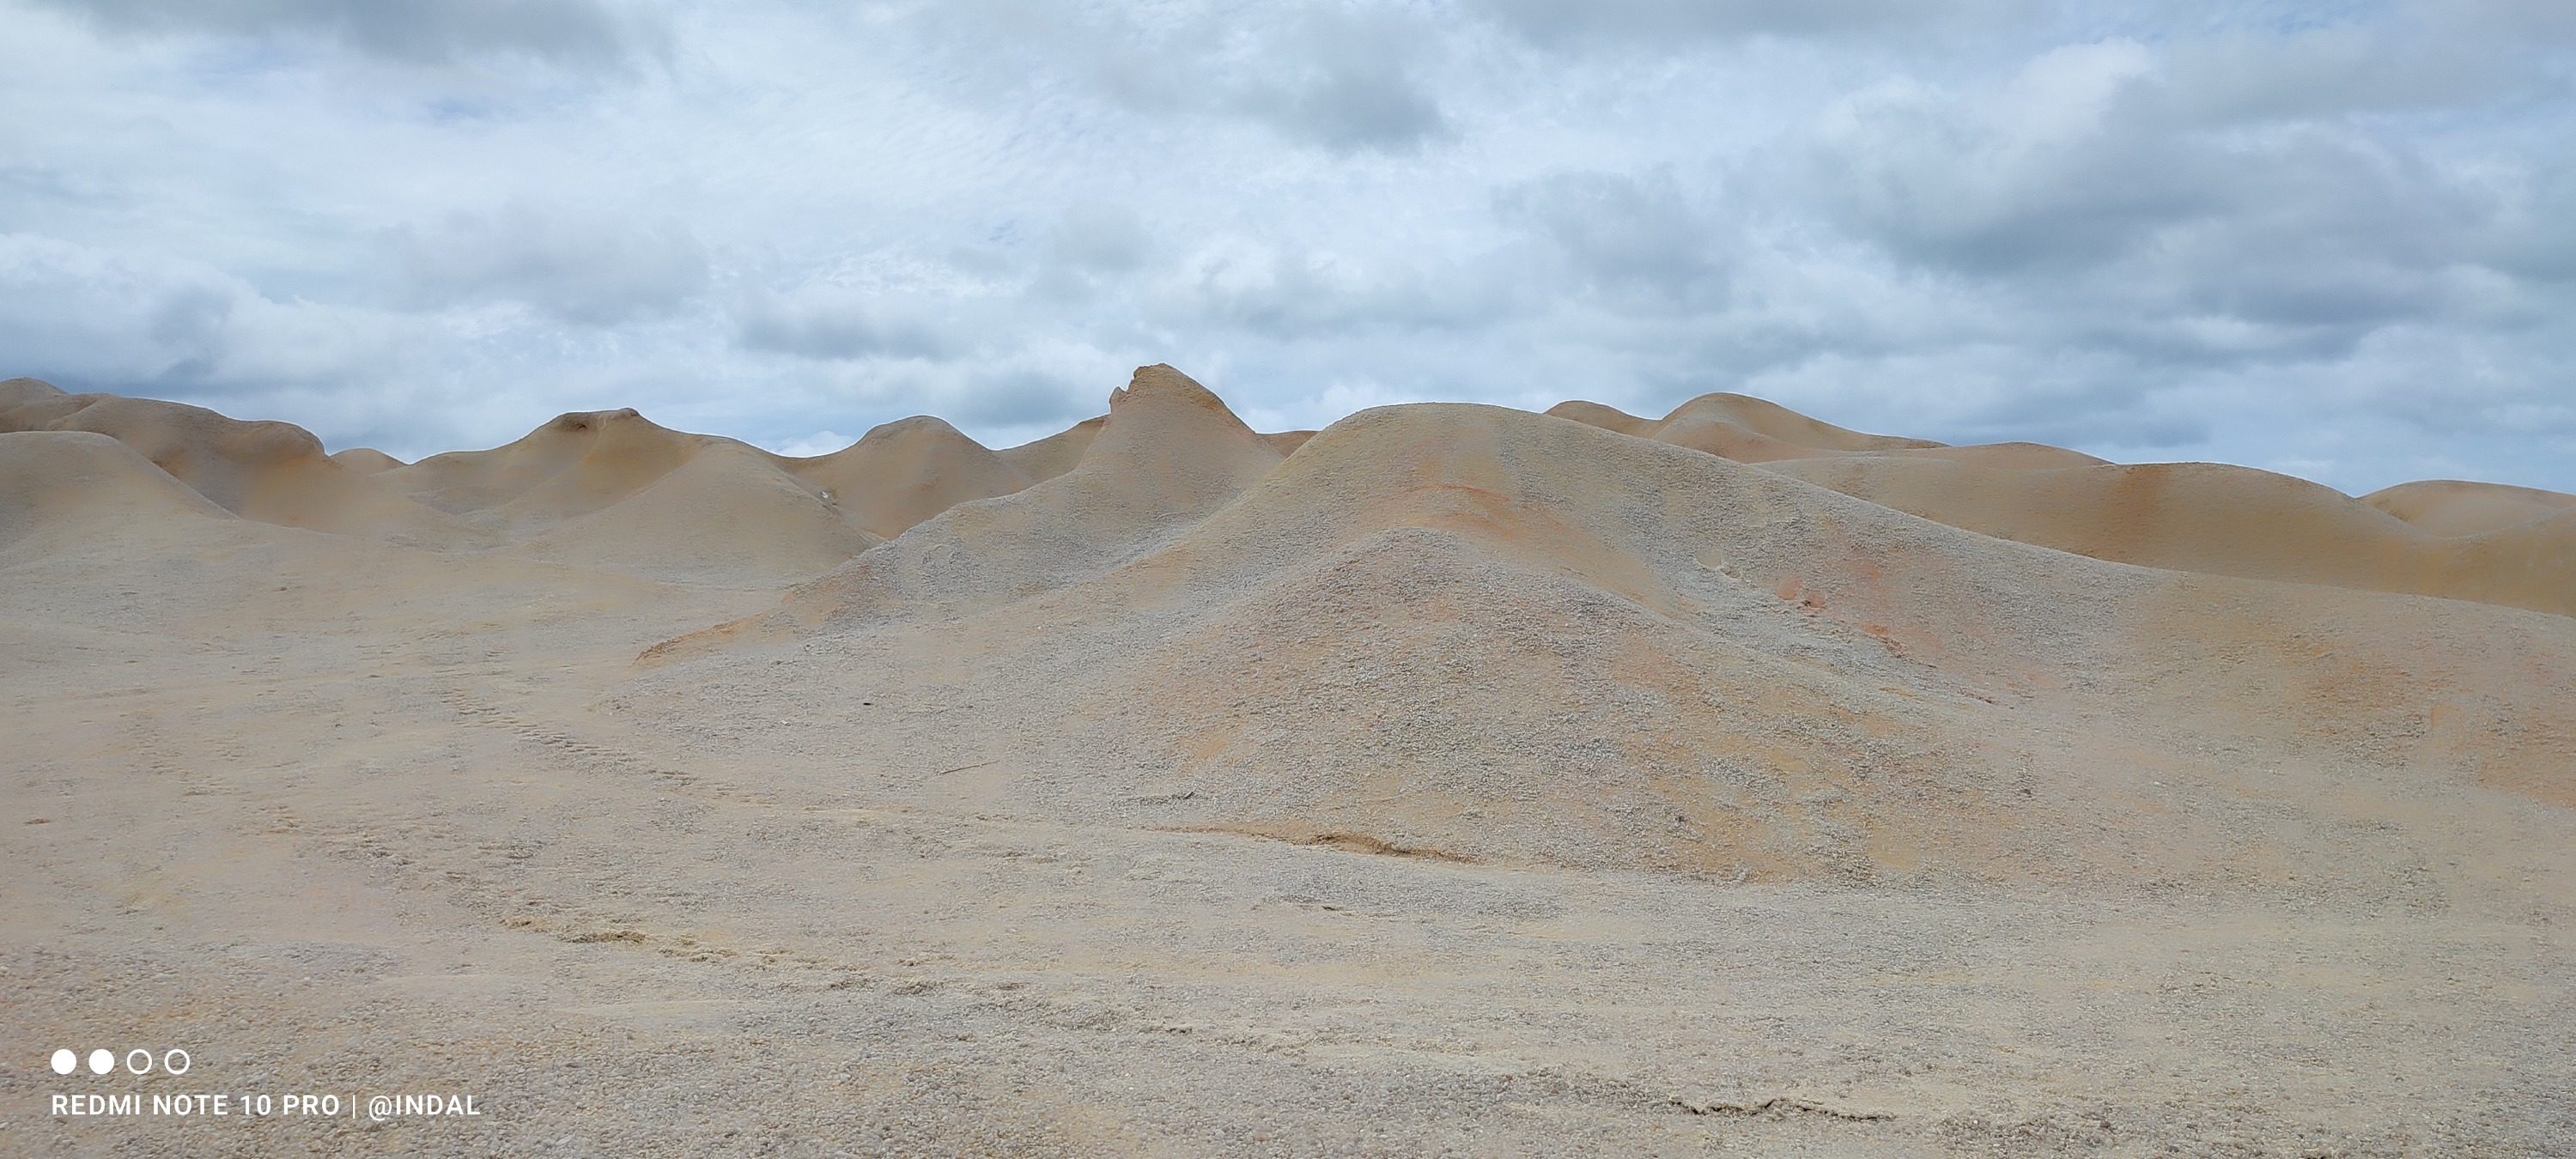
[102,1061]
[179,1067]
[65,1060]
[145,1055]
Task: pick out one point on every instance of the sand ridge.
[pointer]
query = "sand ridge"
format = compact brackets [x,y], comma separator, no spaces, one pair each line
[1169,453]
[268,471]
[60,484]
[1752,430]
[2214,518]
[1380,639]
[2450,507]
[906,471]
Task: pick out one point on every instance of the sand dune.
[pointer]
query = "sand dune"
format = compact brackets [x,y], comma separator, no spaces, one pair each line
[1287,442]
[61,485]
[570,467]
[1732,416]
[268,471]
[1382,640]
[1454,779]
[610,491]
[2449,507]
[1751,430]
[365,460]
[1055,454]
[726,516]
[2208,517]
[907,471]
[1168,454]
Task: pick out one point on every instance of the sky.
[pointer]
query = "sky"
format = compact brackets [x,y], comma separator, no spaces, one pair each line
[2336,240]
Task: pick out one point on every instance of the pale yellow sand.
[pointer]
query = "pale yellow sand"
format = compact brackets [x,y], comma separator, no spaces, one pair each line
[1453,780]
[2451,507]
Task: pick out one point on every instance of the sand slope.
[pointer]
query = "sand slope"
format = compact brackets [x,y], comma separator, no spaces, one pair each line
[1476,633]
[1287,442]
[365,460]
[1169,453]
[572,466]
[1752,430]
[1454,780]
[2450,507]
[268,471]
[906,471]
[1055,454]
[726,516]
[614,491]
[59,485]
[2210,517]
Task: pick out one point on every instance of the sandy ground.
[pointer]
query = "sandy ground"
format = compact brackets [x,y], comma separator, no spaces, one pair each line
[342,818]
[480,883]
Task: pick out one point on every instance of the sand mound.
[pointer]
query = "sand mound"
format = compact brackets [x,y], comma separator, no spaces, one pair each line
[1473,631]
[727,516]
[553,487]
[1055,454]
[1169,453]
[365,460]
[1750,430]
[2528,565]
[57,485]
[268,471]
[1608,418]
[2449,507]
[2000,456]
[907,471]
[1734,420]
[1476,633]
[1287,442]
[573,465]
[1467,781]
[2206,517]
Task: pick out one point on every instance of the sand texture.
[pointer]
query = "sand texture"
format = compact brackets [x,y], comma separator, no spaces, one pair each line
[1455,780]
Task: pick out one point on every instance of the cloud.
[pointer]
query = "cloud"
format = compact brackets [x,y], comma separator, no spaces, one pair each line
[2147,223]
[137,320]
[1341,80]
[1025,398]
[584,33]
[1096,235]
[823,321]
[1339,77]
[582,268]
[2063,165]
[1296,294]
[1619,232]
[1563,21]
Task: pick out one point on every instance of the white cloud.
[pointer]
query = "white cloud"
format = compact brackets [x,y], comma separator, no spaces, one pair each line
[145,321]
[577,266]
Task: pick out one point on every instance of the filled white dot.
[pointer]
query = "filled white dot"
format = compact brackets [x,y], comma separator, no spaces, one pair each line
[65,1060]
[102,1061]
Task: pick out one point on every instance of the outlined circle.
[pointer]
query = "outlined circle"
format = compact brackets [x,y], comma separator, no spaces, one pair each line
[102,1061]
[146,1068]
[65,1060]
[181,1067]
